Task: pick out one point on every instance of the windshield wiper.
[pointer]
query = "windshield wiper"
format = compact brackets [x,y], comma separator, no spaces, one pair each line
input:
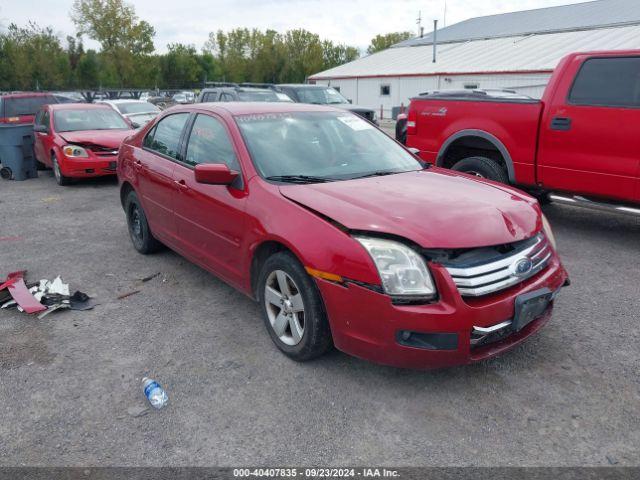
[379,173]
[299,179]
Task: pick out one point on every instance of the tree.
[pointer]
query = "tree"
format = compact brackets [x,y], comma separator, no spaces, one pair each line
[180,67]
[123,38]
[334,55]
[382,42]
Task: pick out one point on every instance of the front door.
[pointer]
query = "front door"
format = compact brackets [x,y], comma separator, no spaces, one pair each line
[43,140]
[589,140]
[210,218]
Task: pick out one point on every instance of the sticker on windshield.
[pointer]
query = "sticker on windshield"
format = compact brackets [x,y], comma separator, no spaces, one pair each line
[355,123]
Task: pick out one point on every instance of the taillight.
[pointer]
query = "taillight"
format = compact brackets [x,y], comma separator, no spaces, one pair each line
[9,119]
[411,122]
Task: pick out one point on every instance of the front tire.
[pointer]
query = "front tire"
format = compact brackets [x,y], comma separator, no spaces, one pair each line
[139,231]
[482,167]
[292,308]
[57,173]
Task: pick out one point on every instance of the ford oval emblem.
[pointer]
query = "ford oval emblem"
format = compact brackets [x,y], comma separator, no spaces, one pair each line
[522,267]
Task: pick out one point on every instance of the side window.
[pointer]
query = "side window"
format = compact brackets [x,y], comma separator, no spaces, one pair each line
[227,97]
[166,135]
[210,143]
[148,140]
[210,97]
[608,82]
[45,119]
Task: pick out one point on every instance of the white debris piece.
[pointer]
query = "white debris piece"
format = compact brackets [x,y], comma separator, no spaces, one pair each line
[58,287]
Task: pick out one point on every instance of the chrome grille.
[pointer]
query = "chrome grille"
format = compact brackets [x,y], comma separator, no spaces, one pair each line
[496,275]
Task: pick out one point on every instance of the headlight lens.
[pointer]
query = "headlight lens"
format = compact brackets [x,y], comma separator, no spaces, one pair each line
[74,151]
[403,272]
[546,226]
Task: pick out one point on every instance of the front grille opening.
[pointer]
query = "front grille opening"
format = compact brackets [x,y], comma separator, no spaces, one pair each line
[482,271]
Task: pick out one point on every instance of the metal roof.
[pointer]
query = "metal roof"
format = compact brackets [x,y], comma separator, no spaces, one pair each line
[578,16]
[525,53]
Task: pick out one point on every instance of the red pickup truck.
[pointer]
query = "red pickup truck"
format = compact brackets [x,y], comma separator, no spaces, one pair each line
[579,145]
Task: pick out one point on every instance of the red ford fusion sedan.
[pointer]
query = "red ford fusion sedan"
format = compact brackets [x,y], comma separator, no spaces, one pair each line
[79,140]
[341,234]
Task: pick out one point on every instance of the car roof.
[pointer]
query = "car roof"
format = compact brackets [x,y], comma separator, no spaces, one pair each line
[248,108]
[27,94]
[121,100]
[302,85]
[79,106]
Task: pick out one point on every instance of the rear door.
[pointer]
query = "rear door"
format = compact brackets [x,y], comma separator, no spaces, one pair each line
[154,165]
[589,140]
[210,218]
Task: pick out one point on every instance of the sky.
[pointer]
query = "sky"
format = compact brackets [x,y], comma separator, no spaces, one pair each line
[352,22]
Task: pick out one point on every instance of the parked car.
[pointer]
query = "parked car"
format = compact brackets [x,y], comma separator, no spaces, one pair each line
[138,112]
[578,145]
[69,97]
[236,93]
[341,234]
[79,140]
[323,95]
[21,108]
[184,97]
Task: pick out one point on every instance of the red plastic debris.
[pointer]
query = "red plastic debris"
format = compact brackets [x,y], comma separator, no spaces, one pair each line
[21,294]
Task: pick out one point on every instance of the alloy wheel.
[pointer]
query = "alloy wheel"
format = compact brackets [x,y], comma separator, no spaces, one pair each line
[285,307]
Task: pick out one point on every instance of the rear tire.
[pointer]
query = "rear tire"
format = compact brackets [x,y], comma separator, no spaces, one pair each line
[57,173]
[290,303]
[482,167]
[139,231]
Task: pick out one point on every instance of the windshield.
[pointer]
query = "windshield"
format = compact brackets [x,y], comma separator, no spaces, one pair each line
[257,96]
[325,145]
[136,107]
[321,96]
[94,119]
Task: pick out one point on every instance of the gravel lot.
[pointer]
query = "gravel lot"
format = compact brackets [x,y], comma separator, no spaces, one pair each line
[570,396]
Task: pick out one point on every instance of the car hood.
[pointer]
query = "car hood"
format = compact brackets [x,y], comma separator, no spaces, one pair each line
[104,138]
[434,208]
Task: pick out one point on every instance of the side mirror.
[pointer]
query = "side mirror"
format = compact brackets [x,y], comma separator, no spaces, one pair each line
[135,125]
[215,174]
[40,128]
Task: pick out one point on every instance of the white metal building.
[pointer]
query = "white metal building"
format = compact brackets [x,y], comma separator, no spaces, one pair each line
[516,50]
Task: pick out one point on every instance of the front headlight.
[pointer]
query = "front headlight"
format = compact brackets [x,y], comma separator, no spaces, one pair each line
[403,272]
[546,227]
[74,151]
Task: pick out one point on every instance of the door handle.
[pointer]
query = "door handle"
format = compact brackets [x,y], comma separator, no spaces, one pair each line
[561,123]
[137,164]
[181,184]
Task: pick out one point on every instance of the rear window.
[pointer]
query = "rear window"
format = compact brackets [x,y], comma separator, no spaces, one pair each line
[608,82]
[257,96]
[24,106]
[136,107]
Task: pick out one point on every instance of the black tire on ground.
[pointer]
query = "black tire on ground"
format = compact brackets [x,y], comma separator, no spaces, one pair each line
[316,338]
[57,173]
[482,167]
[139,231]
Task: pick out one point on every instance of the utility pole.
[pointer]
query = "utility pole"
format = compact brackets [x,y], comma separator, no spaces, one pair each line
[435,39]
[419,23]
[445,13]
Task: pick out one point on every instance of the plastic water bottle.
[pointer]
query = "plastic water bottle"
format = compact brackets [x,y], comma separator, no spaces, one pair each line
[155,393]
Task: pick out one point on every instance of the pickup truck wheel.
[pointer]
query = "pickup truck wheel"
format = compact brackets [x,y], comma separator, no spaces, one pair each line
[482,167]
[292,308]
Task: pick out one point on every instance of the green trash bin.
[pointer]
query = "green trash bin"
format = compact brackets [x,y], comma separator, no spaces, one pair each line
[17,159]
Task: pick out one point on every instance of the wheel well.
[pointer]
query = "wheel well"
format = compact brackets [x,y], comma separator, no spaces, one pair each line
[470,146]
[124,191]
[262,253]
